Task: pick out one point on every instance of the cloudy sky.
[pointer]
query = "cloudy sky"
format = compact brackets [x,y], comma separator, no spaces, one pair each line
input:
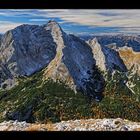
[76,20]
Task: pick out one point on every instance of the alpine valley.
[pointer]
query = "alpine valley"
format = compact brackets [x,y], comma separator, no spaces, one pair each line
[49,76]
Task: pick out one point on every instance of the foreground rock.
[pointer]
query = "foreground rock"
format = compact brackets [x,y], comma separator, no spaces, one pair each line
[74,125]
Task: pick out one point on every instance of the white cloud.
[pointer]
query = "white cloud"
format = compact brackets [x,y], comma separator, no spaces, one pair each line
[84,17]
[93,17]
[18,12]
[122,18]
[6,25]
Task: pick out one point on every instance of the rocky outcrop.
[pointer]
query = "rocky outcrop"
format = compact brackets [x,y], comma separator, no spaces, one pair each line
[105,124]
[117,124]
[107,58]
[98,54]
[74,64]
[13,126]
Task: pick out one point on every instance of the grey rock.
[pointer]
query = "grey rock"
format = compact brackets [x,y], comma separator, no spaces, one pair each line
[107,58]
[25,50]
[33,48]
[74,64]
[124,128]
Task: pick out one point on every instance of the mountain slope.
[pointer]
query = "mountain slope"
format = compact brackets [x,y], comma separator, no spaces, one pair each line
[74,64]
[49,64]
[26,49]
[34,100]
[30,48]
[56,69]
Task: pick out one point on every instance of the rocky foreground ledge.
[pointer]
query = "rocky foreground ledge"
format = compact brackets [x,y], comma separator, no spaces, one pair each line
[73,125]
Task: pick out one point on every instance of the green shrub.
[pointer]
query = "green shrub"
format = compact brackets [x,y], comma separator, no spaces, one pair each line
[54,101]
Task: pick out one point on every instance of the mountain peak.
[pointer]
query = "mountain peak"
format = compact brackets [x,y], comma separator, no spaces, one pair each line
[97,53]
[52,22]
[93,41]
[52,25]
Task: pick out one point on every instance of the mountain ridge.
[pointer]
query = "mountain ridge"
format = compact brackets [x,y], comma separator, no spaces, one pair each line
[65,57]
[107,59]
[24,56]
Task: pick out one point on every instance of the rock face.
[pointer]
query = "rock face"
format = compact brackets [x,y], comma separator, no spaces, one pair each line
[74,64]
[107,58]
[98,54]
[56,69]
[25,50]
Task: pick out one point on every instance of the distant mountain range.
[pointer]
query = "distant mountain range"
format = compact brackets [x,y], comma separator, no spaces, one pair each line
[120,40]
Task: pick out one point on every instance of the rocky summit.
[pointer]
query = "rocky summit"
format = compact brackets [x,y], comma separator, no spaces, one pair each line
[120,40]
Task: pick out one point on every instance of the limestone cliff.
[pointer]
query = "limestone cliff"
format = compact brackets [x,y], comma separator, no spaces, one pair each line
[74,64]
[107,58]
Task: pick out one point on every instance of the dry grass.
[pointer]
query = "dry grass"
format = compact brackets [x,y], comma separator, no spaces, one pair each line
[129,57]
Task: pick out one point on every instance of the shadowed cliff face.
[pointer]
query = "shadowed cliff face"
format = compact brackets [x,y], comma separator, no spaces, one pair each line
[30,48]
[79,60]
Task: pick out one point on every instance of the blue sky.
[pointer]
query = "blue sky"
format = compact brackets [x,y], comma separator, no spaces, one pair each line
[75,21]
